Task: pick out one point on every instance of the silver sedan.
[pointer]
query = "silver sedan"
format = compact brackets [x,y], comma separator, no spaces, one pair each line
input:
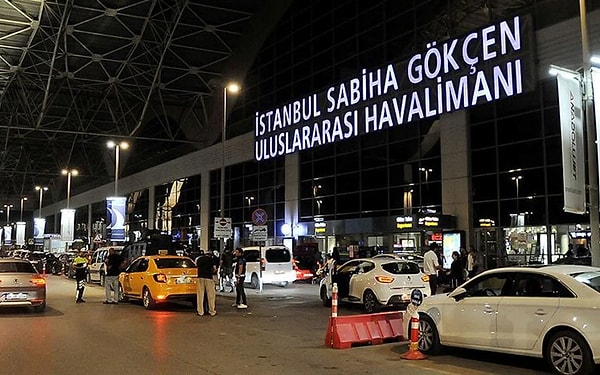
[21,285]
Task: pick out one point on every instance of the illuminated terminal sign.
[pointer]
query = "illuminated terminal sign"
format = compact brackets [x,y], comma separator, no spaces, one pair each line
[487,223]
[425,222]
[320,227]
[404,222]
[491,63]
[429,221]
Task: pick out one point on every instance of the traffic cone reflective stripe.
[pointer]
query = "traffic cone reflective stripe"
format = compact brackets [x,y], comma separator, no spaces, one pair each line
[413,348]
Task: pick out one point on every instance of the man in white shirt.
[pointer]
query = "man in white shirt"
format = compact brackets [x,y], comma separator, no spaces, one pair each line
[431,266]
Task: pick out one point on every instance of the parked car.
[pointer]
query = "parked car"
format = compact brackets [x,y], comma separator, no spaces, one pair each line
[96,271]
[272,263]
[375,283]
[43,261]
[65,264]
[21,285]
[549,312]
[305,267]
[156,279]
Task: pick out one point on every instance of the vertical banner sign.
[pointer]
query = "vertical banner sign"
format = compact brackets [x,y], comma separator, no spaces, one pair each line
[596,91]
[67,224]
[21,225]
[8,235]
[39,224]
[570,104]
[115,212]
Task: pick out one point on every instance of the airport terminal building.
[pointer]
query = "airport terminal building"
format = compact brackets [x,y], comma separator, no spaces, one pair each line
[385,125]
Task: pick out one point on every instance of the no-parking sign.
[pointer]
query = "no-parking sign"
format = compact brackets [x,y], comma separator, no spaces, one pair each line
[259,216]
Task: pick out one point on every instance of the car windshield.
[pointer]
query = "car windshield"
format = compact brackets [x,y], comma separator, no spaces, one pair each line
[6,267]
[278,255]
[401,268]
[174,263]
[591,279]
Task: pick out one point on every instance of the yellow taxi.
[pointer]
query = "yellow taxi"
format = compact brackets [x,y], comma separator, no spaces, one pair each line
[156,279]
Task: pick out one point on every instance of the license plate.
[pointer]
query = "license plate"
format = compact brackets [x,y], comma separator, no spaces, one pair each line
[14,297]
[183,280]
[279,272]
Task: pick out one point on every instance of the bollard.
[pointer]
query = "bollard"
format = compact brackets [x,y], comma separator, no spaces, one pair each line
[44,269]
[334,301]
[413,348]
[62,269]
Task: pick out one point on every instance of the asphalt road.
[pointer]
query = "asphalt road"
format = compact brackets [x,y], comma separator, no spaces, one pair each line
[282,332]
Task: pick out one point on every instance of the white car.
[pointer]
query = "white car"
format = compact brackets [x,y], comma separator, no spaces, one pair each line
[374,283]
[550,312]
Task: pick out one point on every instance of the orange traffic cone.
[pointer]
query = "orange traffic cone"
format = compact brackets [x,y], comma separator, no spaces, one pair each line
[413,348]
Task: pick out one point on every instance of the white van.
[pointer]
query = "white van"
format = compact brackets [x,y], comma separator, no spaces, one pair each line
[96,266]
[277,267]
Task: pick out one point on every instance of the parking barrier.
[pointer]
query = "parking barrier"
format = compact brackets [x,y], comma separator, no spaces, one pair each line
[366,329]
[413,348]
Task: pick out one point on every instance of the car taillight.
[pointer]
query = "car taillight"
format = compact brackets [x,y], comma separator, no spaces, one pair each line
[263,264]
[38,281]
[425,278]
[384,279]
[160,278]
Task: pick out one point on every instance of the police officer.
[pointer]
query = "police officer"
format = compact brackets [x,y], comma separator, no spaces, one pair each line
[80,264]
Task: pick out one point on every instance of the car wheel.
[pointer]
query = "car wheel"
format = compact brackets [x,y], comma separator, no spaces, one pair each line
[102,281]
[326,300]
[122,295]
[569,354]
[284,284]
[370,302]
[254,281]
[429,338]
[147,299]
[40,308]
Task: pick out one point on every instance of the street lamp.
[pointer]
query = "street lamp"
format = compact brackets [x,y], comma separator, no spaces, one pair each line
[516,180]
[41,189]
[22,200]
[233,88]
[427,171]
[69,173]
[117,146]
[8,207]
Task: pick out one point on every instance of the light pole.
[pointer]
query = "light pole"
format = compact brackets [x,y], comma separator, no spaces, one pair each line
[8,207]
[69,173]
[22,200]
[41,189]
[233,88]
[516,180]
[427,171]
[117,146]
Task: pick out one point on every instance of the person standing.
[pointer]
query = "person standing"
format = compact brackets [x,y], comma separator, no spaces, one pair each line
[113,264]
[472,265]
[80,264]
[240,278]
[431,266]
[456,270]
[206,284]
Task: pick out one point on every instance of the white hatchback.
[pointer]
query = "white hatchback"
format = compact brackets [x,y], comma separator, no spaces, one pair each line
[550,312]
[375,282]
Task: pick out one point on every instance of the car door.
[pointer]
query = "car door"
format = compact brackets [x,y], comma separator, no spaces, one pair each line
[126,284]
[360,279]
[342,277]
[137,277]
[524,314]
[471,320]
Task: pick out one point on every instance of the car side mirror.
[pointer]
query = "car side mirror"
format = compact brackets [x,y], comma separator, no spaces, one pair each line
[458,294]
